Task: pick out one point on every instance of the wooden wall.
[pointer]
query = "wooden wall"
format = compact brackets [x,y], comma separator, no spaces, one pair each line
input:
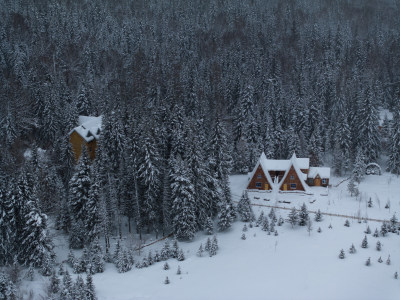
[296,180]
[311,181]
[77,141]
[263,180]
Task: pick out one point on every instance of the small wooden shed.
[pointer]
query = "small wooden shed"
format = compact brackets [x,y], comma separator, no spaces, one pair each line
[86,134]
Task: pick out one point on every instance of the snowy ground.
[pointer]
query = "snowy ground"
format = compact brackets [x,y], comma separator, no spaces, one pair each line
[292,265]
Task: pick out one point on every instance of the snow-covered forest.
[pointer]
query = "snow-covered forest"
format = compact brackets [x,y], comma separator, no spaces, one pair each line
[190,92]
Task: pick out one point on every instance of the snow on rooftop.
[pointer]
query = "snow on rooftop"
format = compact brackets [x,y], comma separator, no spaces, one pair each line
[89,127]
[323,172]
[294,161]
[283,164]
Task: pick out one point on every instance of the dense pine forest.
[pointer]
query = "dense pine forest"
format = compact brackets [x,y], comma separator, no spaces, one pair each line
[190,92]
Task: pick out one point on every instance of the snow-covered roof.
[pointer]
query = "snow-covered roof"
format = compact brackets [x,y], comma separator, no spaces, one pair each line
[283,164]
[261,161]
[294,162]
[323,172]
[89,127]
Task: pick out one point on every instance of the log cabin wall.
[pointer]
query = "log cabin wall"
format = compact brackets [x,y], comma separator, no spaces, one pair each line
[77,141]
[311,181]
[259,177]
[288,181]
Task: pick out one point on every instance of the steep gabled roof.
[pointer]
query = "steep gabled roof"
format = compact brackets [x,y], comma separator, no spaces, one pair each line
[262,162]
[323,172]
[301,175]
[89,128]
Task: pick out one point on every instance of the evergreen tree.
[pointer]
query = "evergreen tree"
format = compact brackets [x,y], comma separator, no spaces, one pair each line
[378,246]
[359,167]
[394,145]
[54,283]
[209,226]
[318,216]
[93,221]
[369,127]
[46,265]
[384,229]
[260,219]
[293,217]
[90,290]
[78,289]
[352,249]
[244,208]
[265,224]
[180,256]
[303,215]
[150,172]
[76,235]
[79,187]
[347,223]
[200,251]
[393,223]
[166,251]
[208,245]
[352,187]
[368,262]
[8,290]
[341,255]
[183,202]
[364,243]
[166,266]
[36,242]
[224,216]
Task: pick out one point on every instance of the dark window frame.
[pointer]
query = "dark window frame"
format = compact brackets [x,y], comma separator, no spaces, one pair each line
[293,186]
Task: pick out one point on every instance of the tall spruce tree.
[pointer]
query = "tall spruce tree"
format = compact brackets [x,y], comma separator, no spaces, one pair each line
[79,187]
[394,144]
[183,201]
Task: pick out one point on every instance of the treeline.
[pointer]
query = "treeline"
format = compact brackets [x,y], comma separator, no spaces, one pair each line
[190,91]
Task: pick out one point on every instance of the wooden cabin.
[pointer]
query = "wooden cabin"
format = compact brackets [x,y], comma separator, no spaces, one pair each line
[293,174]
[86,134]
[318,176]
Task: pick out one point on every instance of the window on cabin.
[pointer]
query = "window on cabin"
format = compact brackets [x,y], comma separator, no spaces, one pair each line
[311,181]
[291,177]
[324,181]
[259,176]
[292,186]
[258,184]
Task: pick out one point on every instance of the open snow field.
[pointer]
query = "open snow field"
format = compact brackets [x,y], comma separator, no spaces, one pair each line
[292,265]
